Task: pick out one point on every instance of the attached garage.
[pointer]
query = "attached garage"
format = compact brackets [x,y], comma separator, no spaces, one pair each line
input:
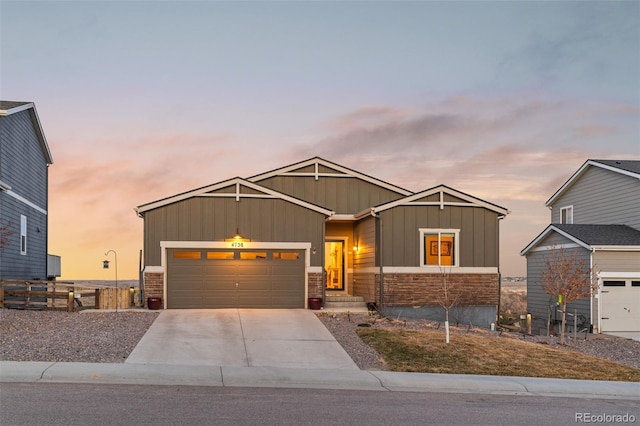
[620,304]
[228,278]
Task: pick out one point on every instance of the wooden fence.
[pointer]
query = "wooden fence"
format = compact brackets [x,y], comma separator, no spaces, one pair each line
[63,296]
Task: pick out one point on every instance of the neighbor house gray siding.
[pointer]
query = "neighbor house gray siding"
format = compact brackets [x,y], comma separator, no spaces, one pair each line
[343,195]
[479,233]
[616,261]
[215,219]
[23,167]
[537,300]
[601,196]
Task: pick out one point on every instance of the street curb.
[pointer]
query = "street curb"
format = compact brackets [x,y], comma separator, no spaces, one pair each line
[185,375]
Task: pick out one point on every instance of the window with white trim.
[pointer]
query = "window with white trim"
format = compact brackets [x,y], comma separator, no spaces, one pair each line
[23,235]
[566,215]
[439,247]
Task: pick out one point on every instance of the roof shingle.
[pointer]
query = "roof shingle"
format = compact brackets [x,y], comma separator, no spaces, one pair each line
[603,235]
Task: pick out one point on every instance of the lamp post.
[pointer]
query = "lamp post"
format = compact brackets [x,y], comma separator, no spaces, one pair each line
[106,266]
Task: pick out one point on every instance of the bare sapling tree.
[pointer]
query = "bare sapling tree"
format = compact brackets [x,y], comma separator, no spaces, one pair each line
[5,233]
[448,298]
[567,279]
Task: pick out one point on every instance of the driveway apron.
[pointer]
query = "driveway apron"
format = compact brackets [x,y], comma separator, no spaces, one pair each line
[293,338]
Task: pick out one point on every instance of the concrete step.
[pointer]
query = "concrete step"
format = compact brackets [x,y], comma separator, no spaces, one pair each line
[344,303]
[347,298]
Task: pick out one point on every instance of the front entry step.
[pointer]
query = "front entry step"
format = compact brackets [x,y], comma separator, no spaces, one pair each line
[345,303]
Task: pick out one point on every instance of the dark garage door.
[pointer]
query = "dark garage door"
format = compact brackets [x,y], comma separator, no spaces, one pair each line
[235,279]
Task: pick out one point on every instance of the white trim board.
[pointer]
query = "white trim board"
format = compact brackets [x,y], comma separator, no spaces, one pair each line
[25,201]
[430,270]
[580,172]
[206,191]
[316,161]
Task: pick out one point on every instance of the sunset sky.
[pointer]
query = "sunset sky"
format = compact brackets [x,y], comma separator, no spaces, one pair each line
[142,100]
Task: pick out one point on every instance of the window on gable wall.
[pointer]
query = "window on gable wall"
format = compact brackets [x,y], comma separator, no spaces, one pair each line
[439,247]
[23,235]
[566,215]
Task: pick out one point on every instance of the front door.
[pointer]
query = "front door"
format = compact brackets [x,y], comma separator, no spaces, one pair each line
[334,264]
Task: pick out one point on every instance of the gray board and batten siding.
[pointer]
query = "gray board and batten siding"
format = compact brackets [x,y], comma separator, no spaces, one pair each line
[479,237]
[601,196]
[23,166]
[216,219]
[538,302]
[343,195]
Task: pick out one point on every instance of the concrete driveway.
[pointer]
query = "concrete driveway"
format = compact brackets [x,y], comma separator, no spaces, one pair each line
[293,338]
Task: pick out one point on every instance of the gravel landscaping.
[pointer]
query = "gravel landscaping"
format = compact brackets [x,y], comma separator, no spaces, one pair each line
[71,337]
[110,337]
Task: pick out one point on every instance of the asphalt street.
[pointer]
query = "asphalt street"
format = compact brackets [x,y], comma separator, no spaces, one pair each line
[101,404]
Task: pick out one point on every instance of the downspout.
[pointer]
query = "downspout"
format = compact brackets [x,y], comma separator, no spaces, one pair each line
[323,284]
[593,253]
[500,217]
[381,283]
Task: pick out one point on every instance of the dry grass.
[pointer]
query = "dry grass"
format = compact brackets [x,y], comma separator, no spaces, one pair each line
[426,352]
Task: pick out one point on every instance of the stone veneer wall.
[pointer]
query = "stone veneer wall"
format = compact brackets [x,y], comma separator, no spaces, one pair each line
[153,285]
[427,289]
[314,284]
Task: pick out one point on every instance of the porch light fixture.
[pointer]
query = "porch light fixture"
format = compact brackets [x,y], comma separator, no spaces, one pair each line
[237,237]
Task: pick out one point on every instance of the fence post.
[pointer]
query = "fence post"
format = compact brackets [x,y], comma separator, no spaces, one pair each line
[575,324]
[2,294]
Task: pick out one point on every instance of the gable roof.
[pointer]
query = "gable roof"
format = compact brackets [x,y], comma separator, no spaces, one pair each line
[592,236]
[316,162]
[12,107]
[412,200]
[209,191]
[625,167]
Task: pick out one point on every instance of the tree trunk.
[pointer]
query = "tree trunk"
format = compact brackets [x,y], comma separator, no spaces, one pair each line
[446,325]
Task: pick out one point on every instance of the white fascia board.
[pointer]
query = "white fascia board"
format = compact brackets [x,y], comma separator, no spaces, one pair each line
[616,248]
[390,270]
[288,171]
[442,189]
[364,213]
[546,232]
[36,123]
[24,107]
[342,217]
[4,186]
[568,183]
[608,275]
[205,192]
[42,138]
[579,173]
[558,246]
[183,196]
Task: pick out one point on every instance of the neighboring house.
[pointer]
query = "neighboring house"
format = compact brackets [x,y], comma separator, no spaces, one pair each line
[24,167]
[596,215]
[316,228]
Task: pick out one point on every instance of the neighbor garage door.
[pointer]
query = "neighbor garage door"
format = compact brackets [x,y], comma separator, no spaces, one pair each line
[620,305]
[235,278]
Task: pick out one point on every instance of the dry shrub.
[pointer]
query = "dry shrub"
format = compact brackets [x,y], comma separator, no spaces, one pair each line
[513,303]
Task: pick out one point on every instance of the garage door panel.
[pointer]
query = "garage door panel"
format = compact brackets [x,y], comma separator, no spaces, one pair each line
[620,305]
[209,282]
